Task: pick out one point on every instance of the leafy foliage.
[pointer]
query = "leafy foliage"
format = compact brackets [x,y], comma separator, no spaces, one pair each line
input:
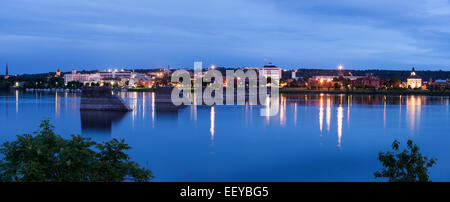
[407,166]
[392,83]
[4,84]
[47,157]
[74,85]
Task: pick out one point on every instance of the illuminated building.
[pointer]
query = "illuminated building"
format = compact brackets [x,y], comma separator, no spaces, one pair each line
[270,71]
[58,73]
[413,80]
[115,74]
[75,76]
[330,78]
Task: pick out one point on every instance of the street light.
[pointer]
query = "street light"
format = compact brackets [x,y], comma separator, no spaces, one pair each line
[340,67]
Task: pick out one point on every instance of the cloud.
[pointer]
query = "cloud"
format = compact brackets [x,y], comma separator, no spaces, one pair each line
[135,33]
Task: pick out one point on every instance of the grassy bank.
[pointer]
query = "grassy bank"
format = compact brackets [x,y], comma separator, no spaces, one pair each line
[141,89]
[366,91]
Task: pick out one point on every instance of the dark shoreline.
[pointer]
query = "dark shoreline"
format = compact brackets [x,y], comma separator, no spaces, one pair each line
[331,91]
[365,92]
[140,89]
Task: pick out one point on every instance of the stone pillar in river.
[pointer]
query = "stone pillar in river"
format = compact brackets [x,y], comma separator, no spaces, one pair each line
[101,99]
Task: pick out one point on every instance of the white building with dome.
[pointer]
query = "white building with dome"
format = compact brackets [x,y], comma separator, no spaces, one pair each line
[414,81]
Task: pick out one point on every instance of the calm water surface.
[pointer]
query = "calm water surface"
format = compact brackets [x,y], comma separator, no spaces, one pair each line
[313,138]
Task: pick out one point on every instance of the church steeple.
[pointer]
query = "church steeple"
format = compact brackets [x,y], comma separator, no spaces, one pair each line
[58,73]
[413,72]
[6,73]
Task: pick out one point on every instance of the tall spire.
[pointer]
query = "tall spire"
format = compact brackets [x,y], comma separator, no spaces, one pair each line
[413,72]
[6,73]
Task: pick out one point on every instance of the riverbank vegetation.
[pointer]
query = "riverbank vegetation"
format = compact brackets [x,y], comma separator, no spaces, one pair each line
[142,89]
[47,157]
[394,91]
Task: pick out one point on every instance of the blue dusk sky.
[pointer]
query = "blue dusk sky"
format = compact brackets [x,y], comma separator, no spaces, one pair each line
[43,35]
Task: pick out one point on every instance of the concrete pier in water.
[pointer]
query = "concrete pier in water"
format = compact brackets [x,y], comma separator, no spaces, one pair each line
[101,99]
[163,100]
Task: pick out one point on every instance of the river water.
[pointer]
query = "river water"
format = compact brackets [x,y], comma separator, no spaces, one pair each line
[314,137]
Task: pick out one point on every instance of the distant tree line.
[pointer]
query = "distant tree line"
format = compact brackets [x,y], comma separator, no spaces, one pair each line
[382,74]
[27,81]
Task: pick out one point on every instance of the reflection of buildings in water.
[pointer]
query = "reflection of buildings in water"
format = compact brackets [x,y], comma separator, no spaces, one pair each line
[17,101]
[321,114]
[57,105]
[384,113]
[349,102]
[340,117]
[371,101]
[75,105]
[400,109]
[134,104]
[306,103]
[211,129]
[66,103]
[328,113]
[447,107]
[143,105]
[272,107]
[153,109]
[295,114]
[248,113]
[387,103]
[99,121]
[194,107]
[283,110]
[413,110]
[251,114]
[267,106]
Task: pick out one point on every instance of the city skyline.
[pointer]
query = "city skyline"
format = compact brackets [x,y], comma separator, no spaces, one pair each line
[41,37]
[5,70]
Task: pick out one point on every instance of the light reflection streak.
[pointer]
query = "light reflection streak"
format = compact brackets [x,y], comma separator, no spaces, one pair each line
[57,105]
[143,105]
[321,115]
[447,107]
[413,110]
[153,109]
[384,113]
[66,95]
[134,105]
[17,101]
[283,111]
[348,109]
[295,114]
[212,128]
[328,113]
[248,112]
[36,100]
[306,100]
[194,107]
[400,110]
[340,116]
[268,109]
